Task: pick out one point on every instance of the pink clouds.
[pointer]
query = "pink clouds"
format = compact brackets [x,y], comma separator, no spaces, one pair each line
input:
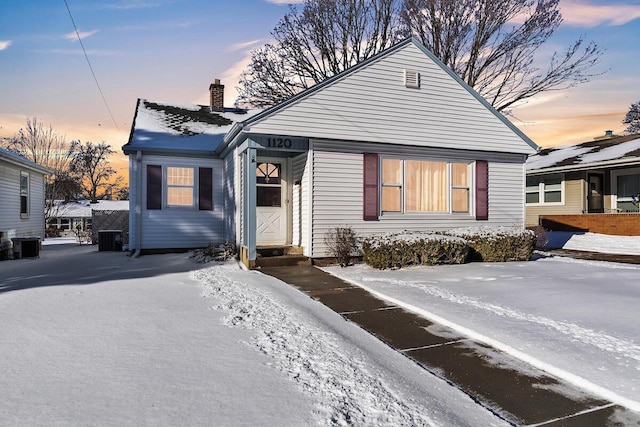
[583,14]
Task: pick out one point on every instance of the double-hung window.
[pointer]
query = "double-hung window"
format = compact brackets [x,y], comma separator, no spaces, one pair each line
[409,186]
[180,186]
[24,194]
[546,190]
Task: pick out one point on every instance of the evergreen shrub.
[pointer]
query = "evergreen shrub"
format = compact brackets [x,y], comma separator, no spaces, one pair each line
[397,250]
[497,244]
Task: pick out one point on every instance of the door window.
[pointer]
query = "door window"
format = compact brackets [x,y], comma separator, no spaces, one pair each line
[269,191]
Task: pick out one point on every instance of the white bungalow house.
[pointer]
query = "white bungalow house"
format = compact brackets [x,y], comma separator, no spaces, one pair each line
[22,208]
[396,142]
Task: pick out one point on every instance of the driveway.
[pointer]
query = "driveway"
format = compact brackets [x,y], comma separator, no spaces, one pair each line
[98,338]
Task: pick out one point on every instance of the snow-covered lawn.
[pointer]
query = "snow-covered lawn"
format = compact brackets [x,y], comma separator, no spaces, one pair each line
[575,319]
[98,338]
[626,245]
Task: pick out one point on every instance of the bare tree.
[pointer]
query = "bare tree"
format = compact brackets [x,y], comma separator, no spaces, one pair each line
[492,45]
[45,146]
[632,118]
[316,41]
[90,166]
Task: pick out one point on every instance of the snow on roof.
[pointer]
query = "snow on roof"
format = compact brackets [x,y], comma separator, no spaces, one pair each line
[16,158]
[181,126]
[84,208]
[571,156]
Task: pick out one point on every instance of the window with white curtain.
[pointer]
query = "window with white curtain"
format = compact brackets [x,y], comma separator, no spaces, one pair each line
[410,186]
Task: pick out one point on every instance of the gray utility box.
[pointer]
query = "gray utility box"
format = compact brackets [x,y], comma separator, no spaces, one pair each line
[26,247]
[110,240]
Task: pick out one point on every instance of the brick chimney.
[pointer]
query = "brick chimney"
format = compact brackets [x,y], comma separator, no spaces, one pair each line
[216,92]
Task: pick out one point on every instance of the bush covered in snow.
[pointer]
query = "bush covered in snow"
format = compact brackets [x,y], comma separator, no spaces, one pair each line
[413,248]
[215,252]
[497,244]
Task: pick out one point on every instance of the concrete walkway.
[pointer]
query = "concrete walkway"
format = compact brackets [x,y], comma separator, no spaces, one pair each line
[519,394]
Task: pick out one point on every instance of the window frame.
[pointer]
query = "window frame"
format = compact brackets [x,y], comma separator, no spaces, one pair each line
[449,190]
[542,190]
[26,193]
[614,185]
[193,186]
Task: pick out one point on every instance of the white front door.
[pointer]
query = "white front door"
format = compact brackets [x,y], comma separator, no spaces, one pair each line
[271,205]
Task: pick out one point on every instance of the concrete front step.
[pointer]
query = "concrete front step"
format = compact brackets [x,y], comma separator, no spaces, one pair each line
[280,256]
[282,261]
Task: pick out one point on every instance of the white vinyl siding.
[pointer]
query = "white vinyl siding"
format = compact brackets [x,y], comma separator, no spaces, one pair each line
[338,192]
[181,228]
[305,208]
[231,181]
[12,223]
[298,166]
[442,112]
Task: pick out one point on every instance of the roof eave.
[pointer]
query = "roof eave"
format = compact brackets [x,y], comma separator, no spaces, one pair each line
[634,161]
[169,151]
[27,164]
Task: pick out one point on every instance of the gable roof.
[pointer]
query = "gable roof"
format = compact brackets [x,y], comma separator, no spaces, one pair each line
[170,128]
[302,101]
[18,160]
[615,151]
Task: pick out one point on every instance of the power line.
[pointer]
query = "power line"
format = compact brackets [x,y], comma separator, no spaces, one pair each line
[90,67]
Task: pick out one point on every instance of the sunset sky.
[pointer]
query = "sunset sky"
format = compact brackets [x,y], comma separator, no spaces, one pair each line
[171,50]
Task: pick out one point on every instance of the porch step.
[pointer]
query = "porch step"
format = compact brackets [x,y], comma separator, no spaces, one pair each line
[282,261]
[271,251]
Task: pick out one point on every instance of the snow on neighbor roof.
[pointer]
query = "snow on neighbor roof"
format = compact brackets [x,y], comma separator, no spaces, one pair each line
[84,208]
[192,128]
[615,150]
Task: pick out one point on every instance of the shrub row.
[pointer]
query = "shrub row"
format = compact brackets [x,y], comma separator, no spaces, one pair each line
[457,246]
[499,244]
[413,248]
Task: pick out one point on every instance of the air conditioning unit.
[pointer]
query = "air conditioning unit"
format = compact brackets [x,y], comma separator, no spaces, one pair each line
[109,240]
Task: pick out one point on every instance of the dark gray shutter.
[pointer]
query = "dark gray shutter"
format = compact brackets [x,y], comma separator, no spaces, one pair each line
[482,190]
[370,190]
[205,189]
[154,187]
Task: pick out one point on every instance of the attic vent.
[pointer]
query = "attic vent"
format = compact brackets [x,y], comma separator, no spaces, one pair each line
[412,79]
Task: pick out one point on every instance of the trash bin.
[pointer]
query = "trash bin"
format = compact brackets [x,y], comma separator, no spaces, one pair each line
[110,240]
[26,247]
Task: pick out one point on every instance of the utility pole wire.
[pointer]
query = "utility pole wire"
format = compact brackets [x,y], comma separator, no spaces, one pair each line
[90,67]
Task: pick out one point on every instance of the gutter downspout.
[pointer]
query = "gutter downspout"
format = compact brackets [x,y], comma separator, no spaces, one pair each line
[138,204]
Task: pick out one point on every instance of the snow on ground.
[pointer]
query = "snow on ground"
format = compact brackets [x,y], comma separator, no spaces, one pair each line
[99,338]
[352,377]
[575,319]
[593,242]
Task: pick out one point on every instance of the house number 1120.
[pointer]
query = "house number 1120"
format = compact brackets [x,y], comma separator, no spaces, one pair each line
[278,143]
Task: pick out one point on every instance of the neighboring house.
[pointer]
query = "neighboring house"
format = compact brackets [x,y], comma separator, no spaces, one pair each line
[22,188]
[77,215]
[396,142]
[598,176]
